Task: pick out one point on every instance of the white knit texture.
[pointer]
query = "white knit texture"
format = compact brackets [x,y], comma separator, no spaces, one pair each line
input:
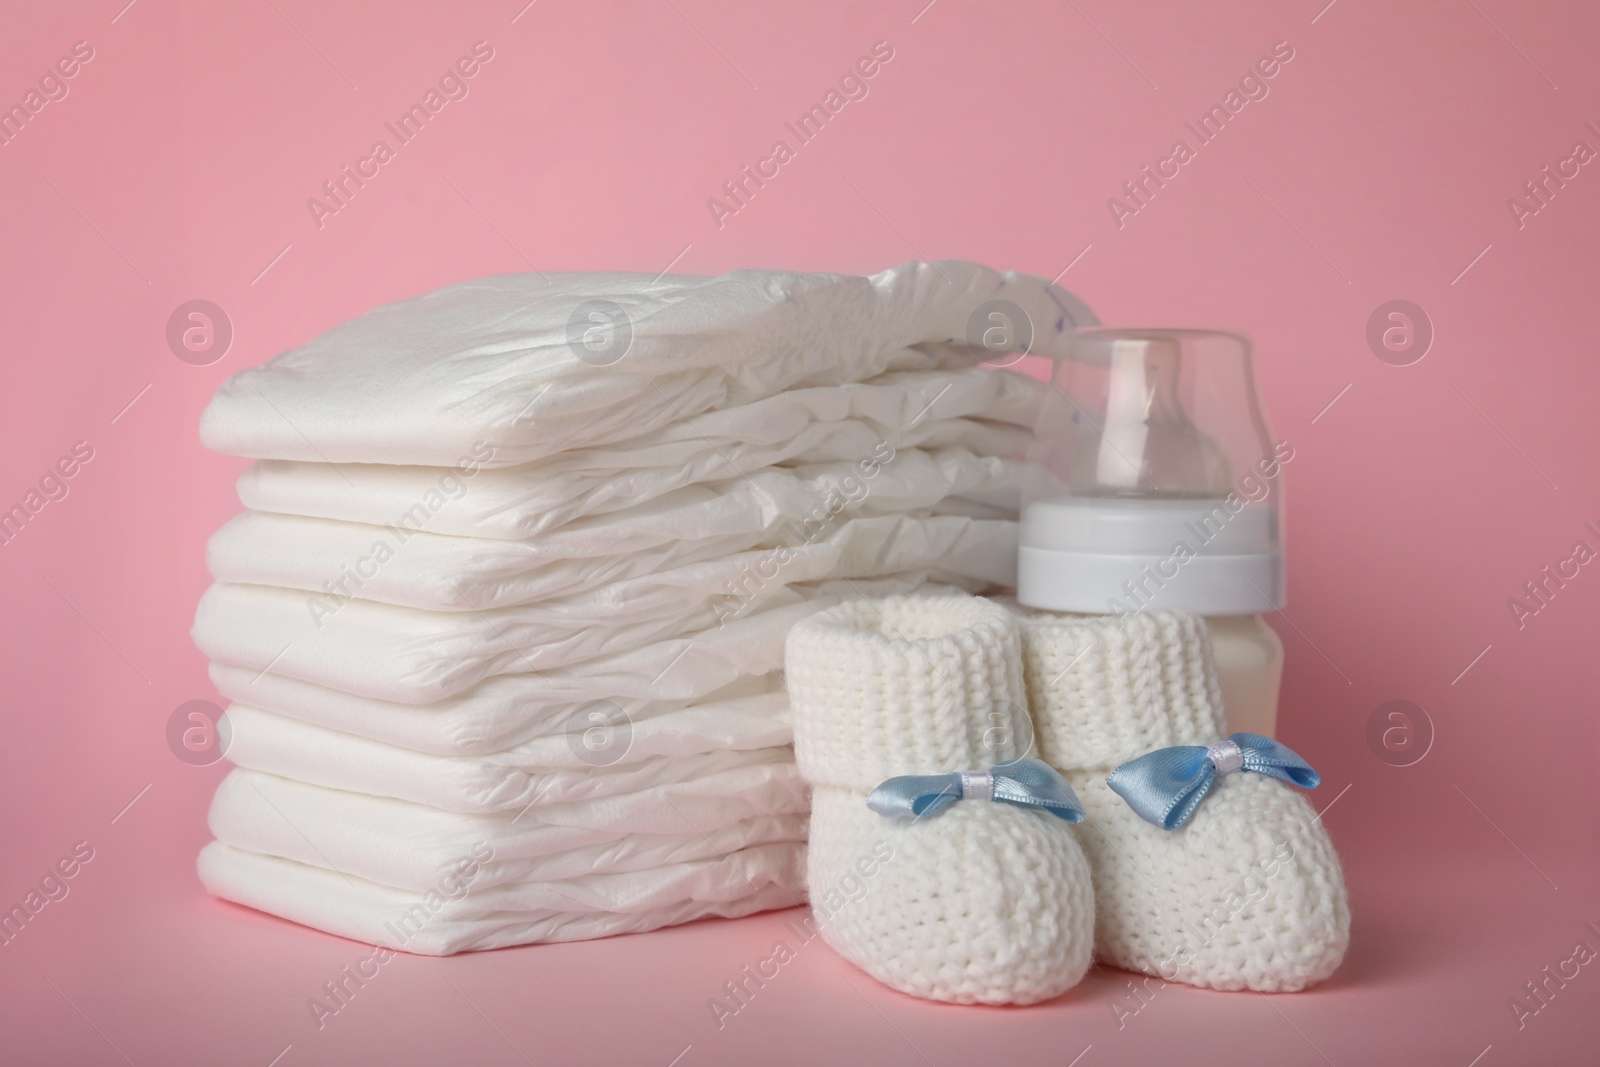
[983,903]
[1248,894]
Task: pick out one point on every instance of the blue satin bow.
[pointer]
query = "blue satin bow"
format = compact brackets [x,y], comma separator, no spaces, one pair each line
[1027,783]
[1166,786]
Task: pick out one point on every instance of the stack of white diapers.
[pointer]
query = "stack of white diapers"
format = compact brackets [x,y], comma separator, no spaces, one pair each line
[503,626]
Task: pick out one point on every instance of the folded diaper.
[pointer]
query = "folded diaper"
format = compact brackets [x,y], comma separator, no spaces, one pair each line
[260,740]
[331,560]
[707,802]
[455,917]
[600,732]
[507,711]
[537,364]
[682,669]
[418,657]
[505,504]
[795,429]
[410,846]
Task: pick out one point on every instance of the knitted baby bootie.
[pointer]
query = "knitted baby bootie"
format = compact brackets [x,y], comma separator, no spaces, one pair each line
[955,884]
[1244,891]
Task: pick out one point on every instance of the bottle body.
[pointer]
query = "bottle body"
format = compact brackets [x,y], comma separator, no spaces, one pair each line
[1154,483]
[1249,658]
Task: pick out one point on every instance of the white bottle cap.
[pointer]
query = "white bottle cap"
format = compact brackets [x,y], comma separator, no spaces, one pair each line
[1154,481]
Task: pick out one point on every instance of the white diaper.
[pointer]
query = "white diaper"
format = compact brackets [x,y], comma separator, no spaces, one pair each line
[263,741]
[576,909]
[507,504]
[676,672]
[712,448]
[410,846]
[508,711]
[331,561]
[418,657]
[497,360]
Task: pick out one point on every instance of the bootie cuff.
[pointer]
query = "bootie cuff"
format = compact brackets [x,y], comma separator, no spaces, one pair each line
[906,685]
[1105,689]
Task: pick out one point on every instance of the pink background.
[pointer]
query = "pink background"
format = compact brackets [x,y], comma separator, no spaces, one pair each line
[1379,167]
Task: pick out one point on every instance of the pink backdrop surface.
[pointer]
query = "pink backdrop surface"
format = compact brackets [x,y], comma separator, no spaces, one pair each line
[1424,493]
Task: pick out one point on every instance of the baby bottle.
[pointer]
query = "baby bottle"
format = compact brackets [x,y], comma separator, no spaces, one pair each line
[1154,484]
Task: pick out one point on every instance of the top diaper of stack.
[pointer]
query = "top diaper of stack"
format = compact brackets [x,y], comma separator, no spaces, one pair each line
[519,560]
[539,364]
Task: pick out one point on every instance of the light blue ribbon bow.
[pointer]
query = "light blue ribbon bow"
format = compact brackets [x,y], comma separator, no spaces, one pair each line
[1027,783]
[1167,785]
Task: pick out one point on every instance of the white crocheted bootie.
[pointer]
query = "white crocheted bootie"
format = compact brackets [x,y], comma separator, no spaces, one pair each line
[969,899]
[1246,893]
